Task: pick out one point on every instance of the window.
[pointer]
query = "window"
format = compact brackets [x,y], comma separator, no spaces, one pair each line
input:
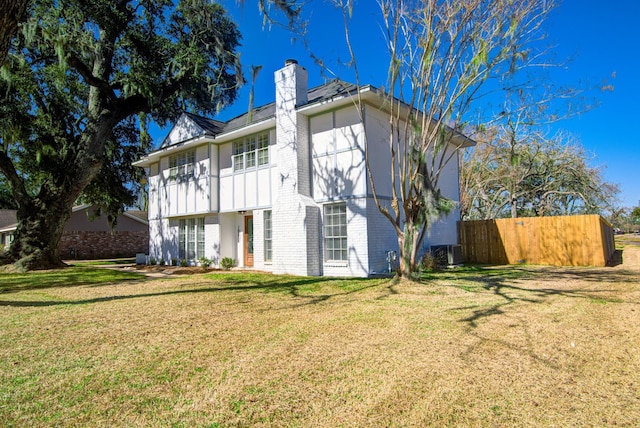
[263,149]
[191,238]
[182,165]
[201,240]
[238,156]
[251,151]
[335,232]
[268,240]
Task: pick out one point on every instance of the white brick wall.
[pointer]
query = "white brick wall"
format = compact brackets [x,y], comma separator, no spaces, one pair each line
[295,214]
[357,263]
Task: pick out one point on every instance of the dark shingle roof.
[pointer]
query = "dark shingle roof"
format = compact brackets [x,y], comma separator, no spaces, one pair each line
[8,218]
[320,93]
[209,126]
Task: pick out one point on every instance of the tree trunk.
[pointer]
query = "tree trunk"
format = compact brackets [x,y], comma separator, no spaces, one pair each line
[408,248]
[13,12]
[514,208]
[37,237]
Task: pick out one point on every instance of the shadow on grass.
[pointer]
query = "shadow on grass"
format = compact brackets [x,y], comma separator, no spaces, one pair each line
[300,287]
[63,278]
[504,283]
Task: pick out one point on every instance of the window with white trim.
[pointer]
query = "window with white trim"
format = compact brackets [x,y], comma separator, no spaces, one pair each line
[268,237]
[238,155]
[182,165]
[191,238]
[252,151]
[263,149]
[335,232]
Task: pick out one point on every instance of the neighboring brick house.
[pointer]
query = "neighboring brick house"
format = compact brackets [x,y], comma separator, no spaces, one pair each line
[285,187]
[87,238]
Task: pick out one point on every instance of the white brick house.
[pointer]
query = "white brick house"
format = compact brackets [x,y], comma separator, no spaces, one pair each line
[284,188]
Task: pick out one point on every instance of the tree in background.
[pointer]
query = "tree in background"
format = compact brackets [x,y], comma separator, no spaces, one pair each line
[512,173]
[441,53]
[79,81]
[518,168]
[634,216]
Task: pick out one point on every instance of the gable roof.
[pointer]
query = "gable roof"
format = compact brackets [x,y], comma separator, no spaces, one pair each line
[203,127]
[192,129]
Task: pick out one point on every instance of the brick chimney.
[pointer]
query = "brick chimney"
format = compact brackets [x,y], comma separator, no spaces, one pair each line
[296,217]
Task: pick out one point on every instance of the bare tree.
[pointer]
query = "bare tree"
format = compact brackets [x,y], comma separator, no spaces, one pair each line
[441,54]
[518,171]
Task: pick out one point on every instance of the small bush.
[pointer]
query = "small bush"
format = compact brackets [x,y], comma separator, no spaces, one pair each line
[204,262]
[183,263]
[428,263]
[174,262]
[152,261]
[162,262]
[227,263]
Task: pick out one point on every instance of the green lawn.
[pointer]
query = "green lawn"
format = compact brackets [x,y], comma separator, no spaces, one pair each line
[508,346]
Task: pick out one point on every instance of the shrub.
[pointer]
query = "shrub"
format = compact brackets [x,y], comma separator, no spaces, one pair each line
[174,262]
[162,262]
[204,262]
[227,263]
[183,263]
[428,263]
[152,261]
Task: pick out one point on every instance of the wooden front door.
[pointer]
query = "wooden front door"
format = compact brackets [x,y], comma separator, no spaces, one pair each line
[248,240]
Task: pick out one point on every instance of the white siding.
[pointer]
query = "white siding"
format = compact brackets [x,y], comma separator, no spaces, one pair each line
[337,155]
[183,130]
[250,188]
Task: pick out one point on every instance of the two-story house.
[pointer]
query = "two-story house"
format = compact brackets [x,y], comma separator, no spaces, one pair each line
[285,187]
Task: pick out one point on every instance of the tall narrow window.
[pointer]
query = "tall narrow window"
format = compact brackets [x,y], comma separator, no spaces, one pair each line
[182,239]
[238,156]
[189,163]
[250,152]
[173,166]
[263,149]
[191,239]
[268,248]
[201,238]
[335,232]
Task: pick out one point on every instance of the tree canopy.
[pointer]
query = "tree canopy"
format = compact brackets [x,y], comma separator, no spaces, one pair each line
[80,84]
[515,173]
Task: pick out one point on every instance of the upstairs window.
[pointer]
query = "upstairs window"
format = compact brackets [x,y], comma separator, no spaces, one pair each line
[238,155]
[182,165]
[251,152]
[263,149]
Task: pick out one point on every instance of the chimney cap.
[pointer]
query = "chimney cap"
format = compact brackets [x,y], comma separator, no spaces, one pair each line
[290,61]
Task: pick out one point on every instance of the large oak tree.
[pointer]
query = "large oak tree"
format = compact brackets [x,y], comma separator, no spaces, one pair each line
[79,81]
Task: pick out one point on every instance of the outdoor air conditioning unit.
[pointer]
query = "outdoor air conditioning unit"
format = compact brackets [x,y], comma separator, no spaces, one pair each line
[447,255]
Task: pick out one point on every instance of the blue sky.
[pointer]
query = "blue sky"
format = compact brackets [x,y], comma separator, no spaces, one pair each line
[599,38]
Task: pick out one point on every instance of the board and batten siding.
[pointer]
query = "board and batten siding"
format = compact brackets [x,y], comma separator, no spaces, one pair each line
[247,189]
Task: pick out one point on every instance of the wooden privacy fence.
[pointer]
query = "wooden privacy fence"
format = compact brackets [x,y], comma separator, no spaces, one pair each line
[582,240]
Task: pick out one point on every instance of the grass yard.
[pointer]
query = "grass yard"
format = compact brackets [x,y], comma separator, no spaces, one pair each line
[504,346]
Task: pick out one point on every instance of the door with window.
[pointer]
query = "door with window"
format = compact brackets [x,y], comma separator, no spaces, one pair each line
[248,240]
